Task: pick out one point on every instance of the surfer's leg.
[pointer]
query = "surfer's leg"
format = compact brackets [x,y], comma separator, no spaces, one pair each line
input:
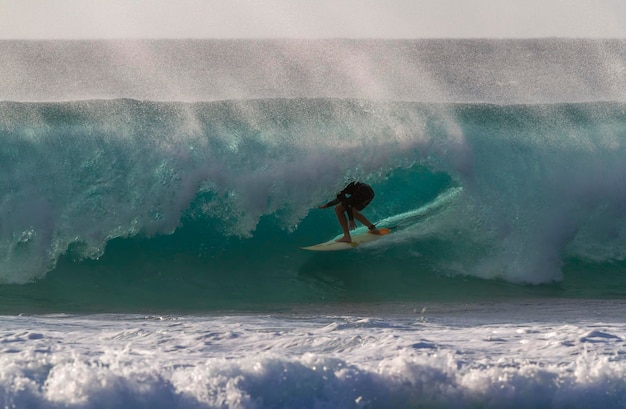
[340,211]
[357,215]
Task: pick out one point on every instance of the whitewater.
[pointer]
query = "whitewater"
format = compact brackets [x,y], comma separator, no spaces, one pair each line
[154,196]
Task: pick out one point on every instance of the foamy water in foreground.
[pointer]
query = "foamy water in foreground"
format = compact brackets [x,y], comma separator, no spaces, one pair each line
[473,355]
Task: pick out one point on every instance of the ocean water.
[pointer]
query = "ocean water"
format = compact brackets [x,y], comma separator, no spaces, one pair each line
[154,196]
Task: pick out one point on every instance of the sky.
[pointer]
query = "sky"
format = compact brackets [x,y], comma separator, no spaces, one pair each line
[91,19]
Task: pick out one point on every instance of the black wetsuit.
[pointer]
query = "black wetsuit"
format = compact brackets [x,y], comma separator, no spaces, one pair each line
[356,195]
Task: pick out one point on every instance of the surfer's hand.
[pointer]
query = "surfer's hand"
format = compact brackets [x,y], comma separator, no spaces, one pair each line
[352,225]
[322,206]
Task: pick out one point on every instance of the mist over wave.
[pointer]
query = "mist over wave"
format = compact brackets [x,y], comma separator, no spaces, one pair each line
[493,71]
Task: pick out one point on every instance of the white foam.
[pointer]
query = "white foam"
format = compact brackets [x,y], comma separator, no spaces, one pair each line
[475,359]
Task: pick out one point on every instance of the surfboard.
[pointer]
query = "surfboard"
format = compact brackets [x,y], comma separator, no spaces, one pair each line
[357,240]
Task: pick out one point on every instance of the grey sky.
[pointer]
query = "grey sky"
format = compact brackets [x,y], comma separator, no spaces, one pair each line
[40,19]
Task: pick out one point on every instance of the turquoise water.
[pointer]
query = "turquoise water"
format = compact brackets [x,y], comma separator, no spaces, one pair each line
[127,205]
[150,249]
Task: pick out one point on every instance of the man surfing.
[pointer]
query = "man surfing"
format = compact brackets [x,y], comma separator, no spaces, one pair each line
[351,200]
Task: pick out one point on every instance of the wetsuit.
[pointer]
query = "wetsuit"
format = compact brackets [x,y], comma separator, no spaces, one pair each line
[356,195]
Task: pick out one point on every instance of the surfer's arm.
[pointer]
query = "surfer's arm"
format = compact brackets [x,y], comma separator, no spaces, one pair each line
[341,197]
[331,203]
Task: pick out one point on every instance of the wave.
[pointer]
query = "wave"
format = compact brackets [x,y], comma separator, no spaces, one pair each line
[220,195]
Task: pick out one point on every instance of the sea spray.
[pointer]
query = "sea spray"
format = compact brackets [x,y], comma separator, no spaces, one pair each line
[499,71]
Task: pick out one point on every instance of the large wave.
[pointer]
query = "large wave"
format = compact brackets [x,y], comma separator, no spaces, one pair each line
[508,192]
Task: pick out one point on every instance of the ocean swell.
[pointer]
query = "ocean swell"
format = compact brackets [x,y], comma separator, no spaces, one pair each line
[490,191]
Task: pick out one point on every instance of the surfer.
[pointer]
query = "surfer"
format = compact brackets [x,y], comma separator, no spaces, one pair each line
[351,200]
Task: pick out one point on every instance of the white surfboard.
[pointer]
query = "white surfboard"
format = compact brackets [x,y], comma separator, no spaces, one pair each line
[333,245]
